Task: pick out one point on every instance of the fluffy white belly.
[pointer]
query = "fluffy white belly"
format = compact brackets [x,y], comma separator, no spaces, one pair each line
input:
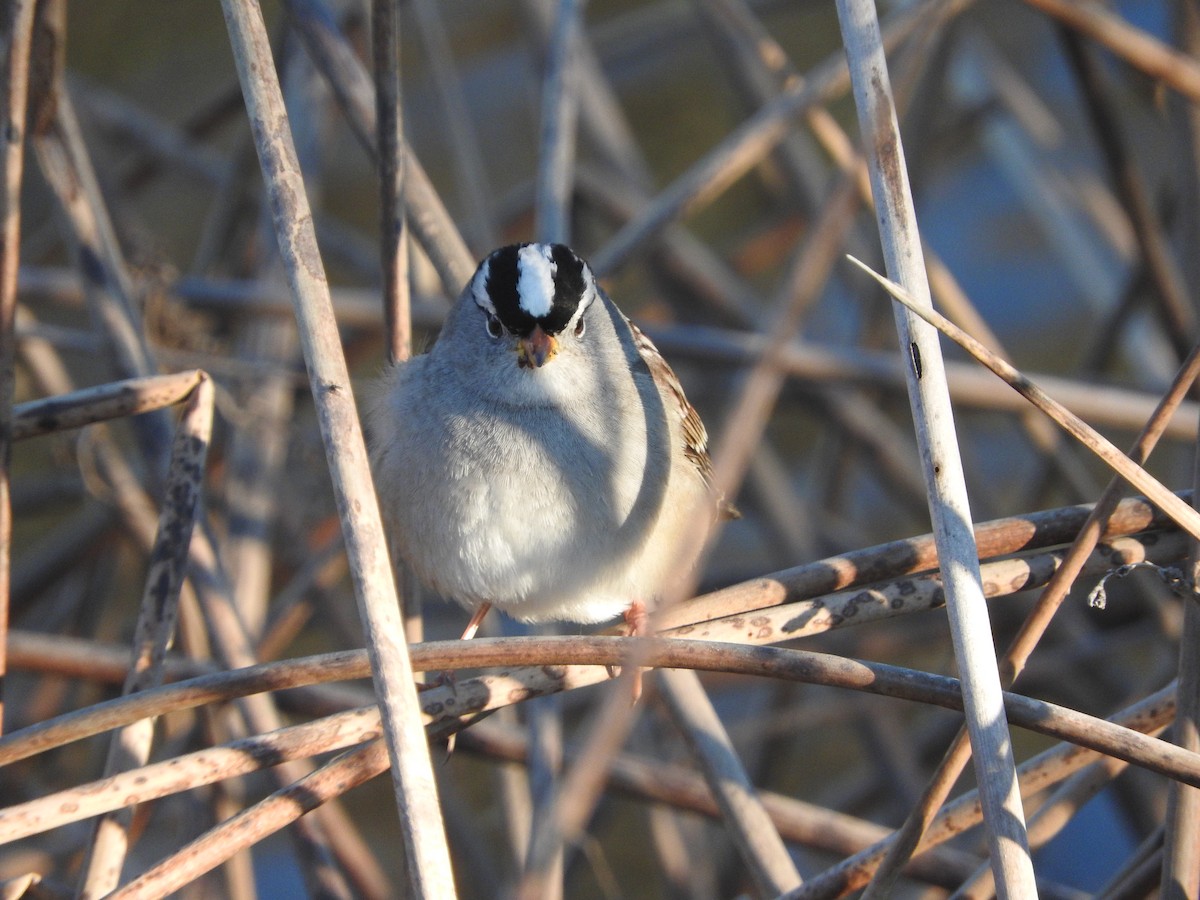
[532,541]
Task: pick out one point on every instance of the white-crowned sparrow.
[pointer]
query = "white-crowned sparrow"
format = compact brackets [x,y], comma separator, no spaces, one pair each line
[541,457]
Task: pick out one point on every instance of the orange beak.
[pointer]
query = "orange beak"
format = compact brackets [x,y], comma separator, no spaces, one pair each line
[537,349]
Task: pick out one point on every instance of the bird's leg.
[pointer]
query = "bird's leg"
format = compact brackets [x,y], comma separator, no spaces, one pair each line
[441,679]
[446,679]
[636,619]
[476,621]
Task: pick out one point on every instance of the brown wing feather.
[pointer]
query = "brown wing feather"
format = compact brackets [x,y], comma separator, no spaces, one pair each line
[695,436]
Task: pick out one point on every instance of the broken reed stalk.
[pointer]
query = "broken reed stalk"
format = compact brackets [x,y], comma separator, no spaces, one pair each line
[427,856]
[970,628]
[155,629]
[14,85]
[1185,516]
[111,400]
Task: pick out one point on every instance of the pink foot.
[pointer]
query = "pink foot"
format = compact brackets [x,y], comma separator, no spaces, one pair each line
[636,621]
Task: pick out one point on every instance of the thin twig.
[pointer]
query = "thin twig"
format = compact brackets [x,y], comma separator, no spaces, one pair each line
[393,234]
[1186,517]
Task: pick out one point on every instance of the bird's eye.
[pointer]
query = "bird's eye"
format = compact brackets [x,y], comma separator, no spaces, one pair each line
[580,327]
[494,328]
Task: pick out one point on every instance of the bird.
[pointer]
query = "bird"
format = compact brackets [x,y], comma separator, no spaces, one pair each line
[541,458]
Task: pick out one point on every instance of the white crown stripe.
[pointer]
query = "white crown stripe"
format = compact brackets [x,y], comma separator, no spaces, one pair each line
[535,284]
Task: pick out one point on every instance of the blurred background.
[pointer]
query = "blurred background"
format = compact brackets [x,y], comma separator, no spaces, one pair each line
[1055,184]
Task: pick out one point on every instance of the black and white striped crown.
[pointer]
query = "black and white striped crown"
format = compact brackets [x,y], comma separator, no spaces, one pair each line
[527,285]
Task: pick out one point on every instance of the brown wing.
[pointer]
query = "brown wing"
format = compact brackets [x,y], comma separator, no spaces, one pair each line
[695,437]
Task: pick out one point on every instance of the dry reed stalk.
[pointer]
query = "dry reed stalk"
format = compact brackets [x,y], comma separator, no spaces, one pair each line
[742,811]
[553,191]
[560,111]
[155,629]
[345,772]
[929,397]
[554,663]
[1036,774]
[416,795]
[389,139]
[1186,517]
[111,400]
[424,210]
[14,95]
[1134,45]
[1074,564]
[190,771]
[864,605]
[471,173]
[1181,835]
